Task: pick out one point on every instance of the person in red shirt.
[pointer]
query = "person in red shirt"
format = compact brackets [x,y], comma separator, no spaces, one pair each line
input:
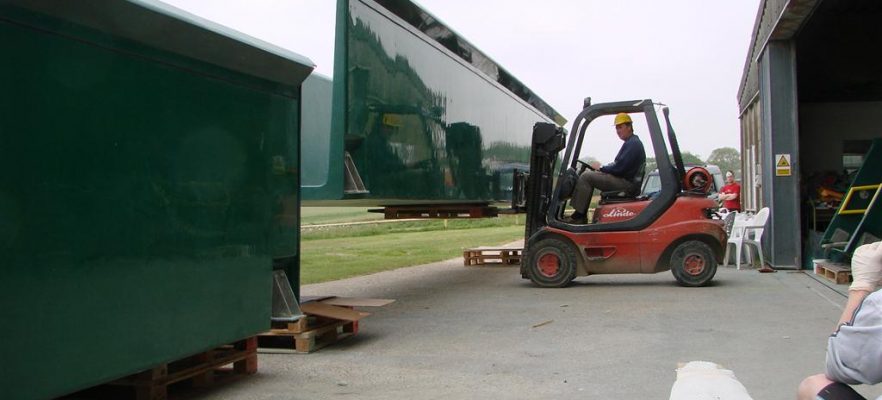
[730,194]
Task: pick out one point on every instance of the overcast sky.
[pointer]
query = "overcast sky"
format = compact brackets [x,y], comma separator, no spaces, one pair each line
[688,54]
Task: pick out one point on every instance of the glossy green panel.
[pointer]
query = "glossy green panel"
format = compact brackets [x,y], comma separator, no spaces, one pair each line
[143,197]
[321,139]
[421,121]
[322,155]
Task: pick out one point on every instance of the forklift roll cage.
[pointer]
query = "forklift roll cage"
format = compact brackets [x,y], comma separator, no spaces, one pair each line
[670,175]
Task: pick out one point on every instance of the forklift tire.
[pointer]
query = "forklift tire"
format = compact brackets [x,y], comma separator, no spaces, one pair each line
[551,263]
[693,263]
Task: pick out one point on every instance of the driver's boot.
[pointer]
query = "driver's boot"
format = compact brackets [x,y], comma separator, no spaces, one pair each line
[576,218]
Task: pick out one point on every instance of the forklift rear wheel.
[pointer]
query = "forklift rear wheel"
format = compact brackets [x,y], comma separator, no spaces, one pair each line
[693,263]
[551,262]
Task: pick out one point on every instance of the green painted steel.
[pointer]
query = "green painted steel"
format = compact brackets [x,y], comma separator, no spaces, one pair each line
[143,198]
[856,229]
[322,156]
[424,118]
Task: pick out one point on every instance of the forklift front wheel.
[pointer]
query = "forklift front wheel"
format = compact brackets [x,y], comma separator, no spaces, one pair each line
[551,262]
[693,263]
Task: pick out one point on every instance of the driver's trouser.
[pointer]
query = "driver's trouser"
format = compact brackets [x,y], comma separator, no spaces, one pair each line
[590,180]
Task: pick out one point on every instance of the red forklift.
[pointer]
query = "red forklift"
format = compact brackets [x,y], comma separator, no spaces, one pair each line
[674,229]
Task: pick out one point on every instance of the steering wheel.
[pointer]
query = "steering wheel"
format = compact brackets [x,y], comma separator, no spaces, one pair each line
[584,166]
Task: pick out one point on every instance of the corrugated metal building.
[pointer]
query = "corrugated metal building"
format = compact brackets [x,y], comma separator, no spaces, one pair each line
[810,99]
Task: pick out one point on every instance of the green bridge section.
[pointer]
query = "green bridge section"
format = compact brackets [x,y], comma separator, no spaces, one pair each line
[418,113]
[148,179]
[858,220]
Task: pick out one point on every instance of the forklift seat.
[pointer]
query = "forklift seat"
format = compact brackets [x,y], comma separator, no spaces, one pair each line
[630,194]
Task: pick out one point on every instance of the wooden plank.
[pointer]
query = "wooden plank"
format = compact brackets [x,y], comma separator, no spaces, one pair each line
[248,364]
[316,324]
[331,311]
[307,299]
[206,378]
[357,302]
[297,326]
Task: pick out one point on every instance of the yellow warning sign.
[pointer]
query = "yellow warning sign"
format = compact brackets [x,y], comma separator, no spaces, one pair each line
[782,165]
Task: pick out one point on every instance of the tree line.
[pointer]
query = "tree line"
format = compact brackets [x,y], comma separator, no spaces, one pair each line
[727,158]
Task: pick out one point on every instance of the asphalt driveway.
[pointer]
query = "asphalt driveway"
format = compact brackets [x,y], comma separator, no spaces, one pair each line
[460,332]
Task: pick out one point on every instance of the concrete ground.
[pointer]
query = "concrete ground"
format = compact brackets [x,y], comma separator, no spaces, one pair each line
[460,332]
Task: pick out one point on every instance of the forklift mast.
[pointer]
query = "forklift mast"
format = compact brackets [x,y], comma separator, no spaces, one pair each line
[548,140]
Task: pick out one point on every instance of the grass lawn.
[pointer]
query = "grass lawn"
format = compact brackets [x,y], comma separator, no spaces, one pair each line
[333,215]
[340,252]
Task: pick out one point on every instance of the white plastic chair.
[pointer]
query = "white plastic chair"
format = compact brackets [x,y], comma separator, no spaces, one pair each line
[753,235]
[746,230]
[735,228]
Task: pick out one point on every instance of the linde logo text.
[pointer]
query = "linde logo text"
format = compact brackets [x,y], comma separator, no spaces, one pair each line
[619,212]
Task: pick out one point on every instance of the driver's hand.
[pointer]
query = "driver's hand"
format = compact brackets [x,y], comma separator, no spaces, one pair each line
[595,165]
[866,267]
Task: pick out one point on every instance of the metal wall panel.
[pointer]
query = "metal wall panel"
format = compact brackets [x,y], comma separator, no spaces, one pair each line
[780,135]
[751,171]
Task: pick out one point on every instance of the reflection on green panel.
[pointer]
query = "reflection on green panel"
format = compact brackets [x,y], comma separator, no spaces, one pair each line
[143,197]
[427,119]
[322,173]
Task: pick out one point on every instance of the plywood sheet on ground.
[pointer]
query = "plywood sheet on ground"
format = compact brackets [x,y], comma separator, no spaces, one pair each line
[357,302]
[331,311]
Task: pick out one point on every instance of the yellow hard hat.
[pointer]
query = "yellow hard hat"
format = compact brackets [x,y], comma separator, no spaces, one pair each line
[622,118]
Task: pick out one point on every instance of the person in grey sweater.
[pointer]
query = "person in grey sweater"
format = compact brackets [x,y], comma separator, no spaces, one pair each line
[854,350]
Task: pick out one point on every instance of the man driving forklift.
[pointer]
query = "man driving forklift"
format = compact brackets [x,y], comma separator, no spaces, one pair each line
[675,231]
[617,175]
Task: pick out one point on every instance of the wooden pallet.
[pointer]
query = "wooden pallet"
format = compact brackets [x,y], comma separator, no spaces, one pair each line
[200,370]
[308,334]
[326,320]
[837,273]
[492,255]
